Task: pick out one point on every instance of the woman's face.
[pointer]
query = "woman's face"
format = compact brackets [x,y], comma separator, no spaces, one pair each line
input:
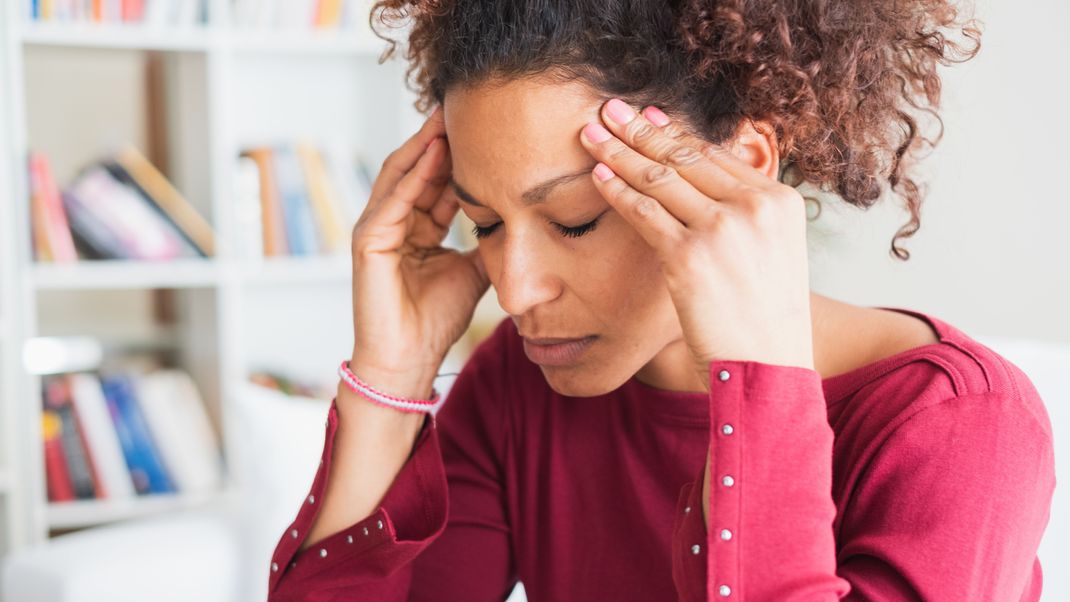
[516,152]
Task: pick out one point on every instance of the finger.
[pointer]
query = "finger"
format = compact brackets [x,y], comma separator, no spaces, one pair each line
[659,228]
[718,154]
[444,210]
[664,145]
[402,159]
[675,194]
[441,177]
[397,205]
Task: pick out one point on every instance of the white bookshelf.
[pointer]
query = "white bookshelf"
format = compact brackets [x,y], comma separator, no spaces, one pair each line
[228,88]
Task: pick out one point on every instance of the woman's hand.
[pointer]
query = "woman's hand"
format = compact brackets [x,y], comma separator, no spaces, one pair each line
[412,298]
[732,241]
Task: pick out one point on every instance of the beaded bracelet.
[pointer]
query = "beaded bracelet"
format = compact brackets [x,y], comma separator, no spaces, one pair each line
[400,403]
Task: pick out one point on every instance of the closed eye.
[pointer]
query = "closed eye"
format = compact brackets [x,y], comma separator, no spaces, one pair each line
[571,232]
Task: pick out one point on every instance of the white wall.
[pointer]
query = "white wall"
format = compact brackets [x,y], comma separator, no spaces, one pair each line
[993,252]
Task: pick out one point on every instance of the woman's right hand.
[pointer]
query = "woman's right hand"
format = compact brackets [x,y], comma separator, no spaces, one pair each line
[412,298]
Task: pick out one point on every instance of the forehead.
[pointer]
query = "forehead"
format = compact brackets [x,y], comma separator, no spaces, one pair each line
[506,136]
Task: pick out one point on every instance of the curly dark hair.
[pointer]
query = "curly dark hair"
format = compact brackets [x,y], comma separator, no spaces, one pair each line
[844,83]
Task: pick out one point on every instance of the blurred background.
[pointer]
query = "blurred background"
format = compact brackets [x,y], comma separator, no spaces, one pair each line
[178,180]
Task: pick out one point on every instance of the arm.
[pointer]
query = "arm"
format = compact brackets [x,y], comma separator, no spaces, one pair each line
[945,510]
[411,551]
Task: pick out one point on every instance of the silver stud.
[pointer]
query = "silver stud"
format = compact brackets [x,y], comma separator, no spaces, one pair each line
[727,429]
[379,524]
[365,530]
[323,552]
[727,480]
[723,375]
[311,499]
[695,549]
[293,564]
[293,533]
[724,590]
[726,534]
[274,567]
[688,509]
[349,539]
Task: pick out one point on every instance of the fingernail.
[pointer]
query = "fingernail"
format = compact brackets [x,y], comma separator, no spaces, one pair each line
[603,172]
[619,111]
[596,133]
[655,116]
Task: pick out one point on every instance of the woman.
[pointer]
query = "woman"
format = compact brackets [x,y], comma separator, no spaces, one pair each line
[633,172]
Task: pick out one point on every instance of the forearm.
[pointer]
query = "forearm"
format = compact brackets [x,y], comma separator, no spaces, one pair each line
[372,444]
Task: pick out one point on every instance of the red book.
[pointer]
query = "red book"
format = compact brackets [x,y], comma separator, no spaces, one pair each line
[58,478]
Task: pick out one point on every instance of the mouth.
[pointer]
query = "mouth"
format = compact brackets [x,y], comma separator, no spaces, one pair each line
[556,351]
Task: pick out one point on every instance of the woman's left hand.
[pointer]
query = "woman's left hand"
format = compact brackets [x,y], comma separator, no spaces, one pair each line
[732,240]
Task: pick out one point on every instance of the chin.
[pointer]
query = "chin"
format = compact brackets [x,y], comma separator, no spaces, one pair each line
[574,381]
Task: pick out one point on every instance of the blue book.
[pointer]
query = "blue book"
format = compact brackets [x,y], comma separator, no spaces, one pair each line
[296,207]
[147,461]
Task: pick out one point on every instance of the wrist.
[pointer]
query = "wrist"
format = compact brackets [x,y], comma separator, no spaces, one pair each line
[414,383]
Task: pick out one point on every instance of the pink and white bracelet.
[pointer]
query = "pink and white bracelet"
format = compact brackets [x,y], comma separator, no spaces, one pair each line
[405,405]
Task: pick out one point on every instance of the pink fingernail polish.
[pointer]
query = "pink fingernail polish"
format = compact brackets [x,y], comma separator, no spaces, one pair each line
[655,116]
[619,111]
[596,133]
[603,172]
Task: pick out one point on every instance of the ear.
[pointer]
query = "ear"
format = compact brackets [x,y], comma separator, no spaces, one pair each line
[755,142]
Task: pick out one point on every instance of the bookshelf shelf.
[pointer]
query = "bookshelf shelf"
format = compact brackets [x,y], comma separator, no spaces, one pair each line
[295,42]
[84,513]
[286,270]
[118,274]
[135,37]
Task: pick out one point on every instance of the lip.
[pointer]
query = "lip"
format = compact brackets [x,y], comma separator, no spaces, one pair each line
[556,352]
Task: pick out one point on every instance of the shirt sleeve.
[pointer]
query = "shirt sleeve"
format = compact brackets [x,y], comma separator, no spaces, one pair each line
[440,532]
[952,506]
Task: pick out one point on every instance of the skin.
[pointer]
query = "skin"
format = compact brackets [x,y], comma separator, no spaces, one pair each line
[667,288]
[709,269]
[505,137]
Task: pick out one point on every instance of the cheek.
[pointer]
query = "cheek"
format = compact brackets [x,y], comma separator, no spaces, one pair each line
[623,276]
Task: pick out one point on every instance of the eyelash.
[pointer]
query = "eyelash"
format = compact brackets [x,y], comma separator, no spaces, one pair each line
[482,232]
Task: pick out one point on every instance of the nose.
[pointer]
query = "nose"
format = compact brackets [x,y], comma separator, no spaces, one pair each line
[527,274]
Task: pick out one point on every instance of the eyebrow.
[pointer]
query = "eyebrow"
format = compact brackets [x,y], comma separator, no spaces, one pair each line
[532,196]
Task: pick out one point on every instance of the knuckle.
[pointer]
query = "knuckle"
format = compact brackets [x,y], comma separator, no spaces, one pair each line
[644,207]
[640,131]
[658,174]
[682,156]
[764,211]
[616,151]
[713,151]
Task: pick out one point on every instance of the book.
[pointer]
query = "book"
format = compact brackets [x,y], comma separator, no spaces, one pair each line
[142,457]
[274,225]
[301,234]
[52,239]
[176,416]
[115,220]
[324,199]
[82,473]
[57,477]
[100,434]
[132,168]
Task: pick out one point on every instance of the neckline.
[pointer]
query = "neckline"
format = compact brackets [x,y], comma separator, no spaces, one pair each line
[690,406]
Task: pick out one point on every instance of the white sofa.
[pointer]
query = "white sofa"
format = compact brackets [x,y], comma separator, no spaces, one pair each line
[221,553]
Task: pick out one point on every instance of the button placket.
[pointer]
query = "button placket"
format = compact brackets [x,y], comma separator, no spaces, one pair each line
[726,399]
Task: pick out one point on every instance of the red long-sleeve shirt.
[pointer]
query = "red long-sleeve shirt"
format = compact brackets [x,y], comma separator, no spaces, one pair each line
[924,475]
